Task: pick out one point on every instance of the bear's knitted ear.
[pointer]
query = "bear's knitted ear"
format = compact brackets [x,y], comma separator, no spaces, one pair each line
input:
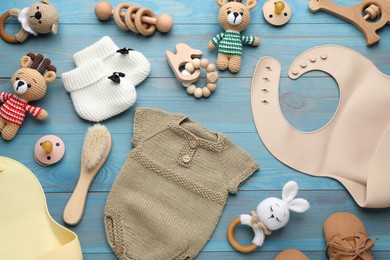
[251,4]
[25,62]
[54,28]
[221,2]
[50,76]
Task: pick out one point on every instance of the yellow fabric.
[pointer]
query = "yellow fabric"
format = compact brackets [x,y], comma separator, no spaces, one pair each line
[27,230]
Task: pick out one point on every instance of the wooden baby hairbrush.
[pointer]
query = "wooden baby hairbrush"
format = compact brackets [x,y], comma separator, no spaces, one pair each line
[96,148]
[136,19]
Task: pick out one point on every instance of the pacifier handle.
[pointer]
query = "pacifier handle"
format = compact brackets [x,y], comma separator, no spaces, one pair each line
[6,37]
[232,240]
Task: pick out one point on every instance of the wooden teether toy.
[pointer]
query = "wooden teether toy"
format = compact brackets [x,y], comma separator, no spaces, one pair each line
[271,214]
[277,12]
[136,19]
[49,150]
[378,11]
[39,18]
[190,59]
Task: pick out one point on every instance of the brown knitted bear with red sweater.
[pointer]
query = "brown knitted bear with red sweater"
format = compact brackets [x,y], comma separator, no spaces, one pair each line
[29,83]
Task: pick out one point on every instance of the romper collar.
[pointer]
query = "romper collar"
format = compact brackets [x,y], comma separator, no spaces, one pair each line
[214,145]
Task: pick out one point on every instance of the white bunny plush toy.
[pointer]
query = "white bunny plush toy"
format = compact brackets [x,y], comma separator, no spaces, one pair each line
[271,214]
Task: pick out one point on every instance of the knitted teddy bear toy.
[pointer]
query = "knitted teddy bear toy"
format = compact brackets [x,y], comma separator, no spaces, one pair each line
[234,17]
[41,17]
[28,84]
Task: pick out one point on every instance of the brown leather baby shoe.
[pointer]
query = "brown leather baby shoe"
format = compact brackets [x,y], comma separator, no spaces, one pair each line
[291,254]
[346,238]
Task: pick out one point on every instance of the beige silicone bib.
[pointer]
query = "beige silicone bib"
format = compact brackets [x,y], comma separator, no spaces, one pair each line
[27,231]
[354,147]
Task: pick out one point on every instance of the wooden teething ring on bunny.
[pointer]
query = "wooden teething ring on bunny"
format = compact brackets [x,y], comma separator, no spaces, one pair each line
[3,34]
[271,214]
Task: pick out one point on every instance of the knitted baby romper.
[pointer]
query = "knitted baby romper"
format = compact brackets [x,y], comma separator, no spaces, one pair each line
[170,193]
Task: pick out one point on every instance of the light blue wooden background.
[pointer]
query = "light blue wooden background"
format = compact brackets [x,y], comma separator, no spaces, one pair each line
[307,103]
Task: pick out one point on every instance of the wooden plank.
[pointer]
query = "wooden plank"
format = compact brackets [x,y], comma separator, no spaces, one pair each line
[63,176]
[238,256]
[308,104]
[183,12]
[300,37]
[303,231]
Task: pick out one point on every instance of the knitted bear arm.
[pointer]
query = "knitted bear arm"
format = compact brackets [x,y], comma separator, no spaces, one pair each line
[250,39]
[4,97]
[237,166]
[217,39]
[148,121]
[14,12]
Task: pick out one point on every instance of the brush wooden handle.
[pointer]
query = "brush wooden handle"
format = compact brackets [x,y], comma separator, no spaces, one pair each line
[74,209]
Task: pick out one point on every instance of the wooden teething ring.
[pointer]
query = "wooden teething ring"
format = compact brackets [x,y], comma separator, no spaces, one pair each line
[3,34]
[118,15]
[130,12]
[144,21]
[230,234]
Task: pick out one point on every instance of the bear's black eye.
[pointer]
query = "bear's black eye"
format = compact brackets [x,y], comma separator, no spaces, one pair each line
[242,13]
[17,78]
[229,12]
[29,85]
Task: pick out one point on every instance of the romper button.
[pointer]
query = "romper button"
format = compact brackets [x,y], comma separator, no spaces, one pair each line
[193,144]
[186,158]
[118,250]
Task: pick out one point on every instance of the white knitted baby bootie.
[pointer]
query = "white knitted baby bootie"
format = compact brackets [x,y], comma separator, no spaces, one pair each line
[132,63]
[98,92]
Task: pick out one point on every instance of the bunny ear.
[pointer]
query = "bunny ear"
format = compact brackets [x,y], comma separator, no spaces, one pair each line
[299,205]
[290,190]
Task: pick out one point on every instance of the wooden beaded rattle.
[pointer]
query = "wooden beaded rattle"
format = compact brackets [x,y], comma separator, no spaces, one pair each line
[136,19]
[378,11]
[190,59]
[271,214]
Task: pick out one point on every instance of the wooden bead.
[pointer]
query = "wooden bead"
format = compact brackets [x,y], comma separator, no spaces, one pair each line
[191,89]
[212,87]
[185,73]
[103,10]
[206,92]
[189,67]
[164,23]
[212,77]
[196,63]
[204,63]
[198,93]
[210,68]
[185,84]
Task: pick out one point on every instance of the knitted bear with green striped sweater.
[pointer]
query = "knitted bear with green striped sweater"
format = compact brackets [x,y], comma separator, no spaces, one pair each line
[234,17]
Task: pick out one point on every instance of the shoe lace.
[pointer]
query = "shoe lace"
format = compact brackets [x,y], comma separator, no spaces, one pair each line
[340,246]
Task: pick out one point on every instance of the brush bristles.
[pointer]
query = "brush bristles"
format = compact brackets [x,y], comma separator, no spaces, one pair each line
[95,144]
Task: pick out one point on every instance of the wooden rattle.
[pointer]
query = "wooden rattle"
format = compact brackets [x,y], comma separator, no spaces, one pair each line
[271,214]
[136,19]
[378,11]
[277,13]
[49,150]
[190,59]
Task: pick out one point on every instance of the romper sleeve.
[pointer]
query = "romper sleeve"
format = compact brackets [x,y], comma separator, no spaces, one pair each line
[148,121]
[237,166]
